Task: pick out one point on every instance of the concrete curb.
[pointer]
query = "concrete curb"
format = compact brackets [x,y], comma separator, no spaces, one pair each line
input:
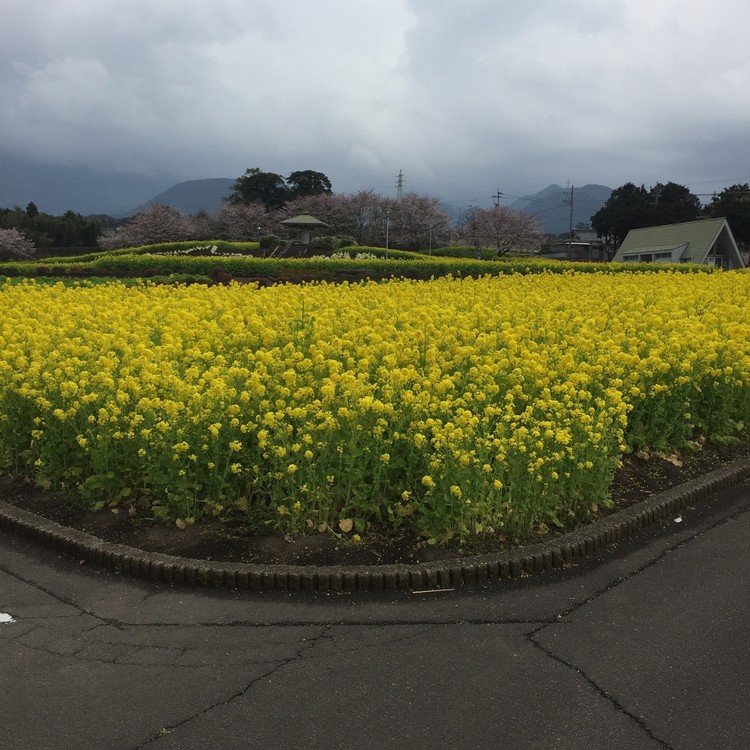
[441,574]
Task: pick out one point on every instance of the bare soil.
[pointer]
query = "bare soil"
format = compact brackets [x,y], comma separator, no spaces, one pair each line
[209,539]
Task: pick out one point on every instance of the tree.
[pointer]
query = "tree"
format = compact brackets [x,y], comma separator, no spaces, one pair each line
[733,204]
[504,229]
[242,222]
[156,223]
[418,222]
[323,206]
[357,217]
[201,226]
[69,230]
[413,222]
[15,245]
[673,204]
[352,215]
[308,182]
[255,185]
[630,207]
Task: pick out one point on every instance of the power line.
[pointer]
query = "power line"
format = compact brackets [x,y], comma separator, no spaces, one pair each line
[734,192]
[716,182]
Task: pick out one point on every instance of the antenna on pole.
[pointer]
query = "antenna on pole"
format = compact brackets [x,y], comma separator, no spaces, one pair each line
[400,185]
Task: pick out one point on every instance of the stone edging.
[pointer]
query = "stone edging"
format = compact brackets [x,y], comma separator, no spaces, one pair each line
[554,553]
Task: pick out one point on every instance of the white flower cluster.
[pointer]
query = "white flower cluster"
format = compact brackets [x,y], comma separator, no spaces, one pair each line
[200,249]
[193,250]
[343,255]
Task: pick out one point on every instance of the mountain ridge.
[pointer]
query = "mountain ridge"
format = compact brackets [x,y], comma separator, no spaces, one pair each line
[190,196]
[550,205]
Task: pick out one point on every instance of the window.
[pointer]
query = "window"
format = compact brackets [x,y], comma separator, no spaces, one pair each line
[720,261]
[660,257]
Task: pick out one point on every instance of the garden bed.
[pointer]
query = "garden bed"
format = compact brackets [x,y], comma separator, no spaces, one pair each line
[638,479]
[446,411]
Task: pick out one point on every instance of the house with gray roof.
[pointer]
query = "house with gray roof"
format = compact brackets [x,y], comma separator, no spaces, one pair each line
[706,241]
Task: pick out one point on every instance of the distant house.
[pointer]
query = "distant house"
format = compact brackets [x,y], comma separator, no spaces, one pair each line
[585,246]
[706,241]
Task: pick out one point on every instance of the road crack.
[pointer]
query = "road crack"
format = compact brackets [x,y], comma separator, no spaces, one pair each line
[306,646]
[639,720]
[532,637]
[616,582]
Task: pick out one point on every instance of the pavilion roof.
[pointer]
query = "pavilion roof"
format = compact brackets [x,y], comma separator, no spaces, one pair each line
[304,220]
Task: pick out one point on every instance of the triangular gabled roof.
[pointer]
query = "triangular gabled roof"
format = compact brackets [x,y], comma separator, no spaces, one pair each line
[698,237]
[304,220]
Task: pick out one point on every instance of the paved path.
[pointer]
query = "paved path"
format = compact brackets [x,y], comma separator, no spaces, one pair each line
[645,646]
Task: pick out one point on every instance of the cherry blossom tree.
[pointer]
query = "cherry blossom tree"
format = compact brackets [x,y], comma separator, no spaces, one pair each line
[201,226]
[359,219]
[242,222]
[414,222]
[15,245]
[156,223]
[346,215]
[504,229]
[418,222]
[323,206]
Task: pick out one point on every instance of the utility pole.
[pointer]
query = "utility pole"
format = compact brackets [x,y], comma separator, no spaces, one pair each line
[400,185]
[387,231]
[569,201]
[496,198]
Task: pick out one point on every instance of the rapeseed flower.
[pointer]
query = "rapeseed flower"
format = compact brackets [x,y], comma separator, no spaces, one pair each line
[521,392]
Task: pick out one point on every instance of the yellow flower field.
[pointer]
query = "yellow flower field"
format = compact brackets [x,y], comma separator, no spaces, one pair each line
[452,407]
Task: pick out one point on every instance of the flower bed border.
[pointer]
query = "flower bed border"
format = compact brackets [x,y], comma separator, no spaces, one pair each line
[554,553]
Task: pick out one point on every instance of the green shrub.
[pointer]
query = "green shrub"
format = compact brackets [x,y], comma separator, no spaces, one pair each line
[268,242]
[322,244]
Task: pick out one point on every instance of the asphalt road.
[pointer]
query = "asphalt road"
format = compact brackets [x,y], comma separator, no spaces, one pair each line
[645,645]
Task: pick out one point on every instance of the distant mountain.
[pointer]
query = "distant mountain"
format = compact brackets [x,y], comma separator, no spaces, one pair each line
[55,188]
[192,196]
[550,205]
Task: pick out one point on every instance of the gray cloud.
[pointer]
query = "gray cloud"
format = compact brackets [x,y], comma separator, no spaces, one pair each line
[465,97]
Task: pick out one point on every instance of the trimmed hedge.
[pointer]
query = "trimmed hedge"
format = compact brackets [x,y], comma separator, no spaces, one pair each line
[161,247]
[145,264]
[466,251]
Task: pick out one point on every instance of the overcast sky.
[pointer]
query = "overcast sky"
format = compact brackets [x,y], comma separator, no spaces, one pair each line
[465,96]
